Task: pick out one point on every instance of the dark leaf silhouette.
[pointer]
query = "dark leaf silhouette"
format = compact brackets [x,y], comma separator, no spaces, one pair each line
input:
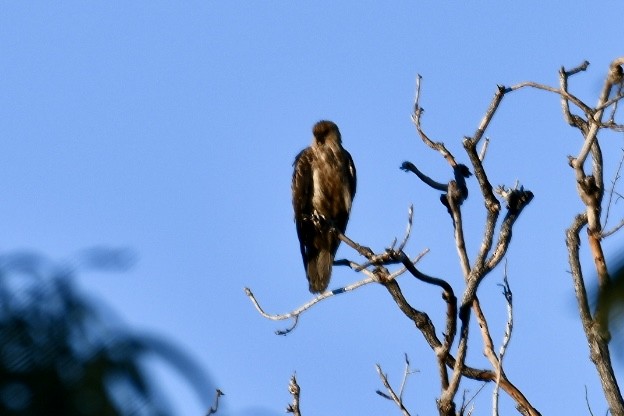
[61,354]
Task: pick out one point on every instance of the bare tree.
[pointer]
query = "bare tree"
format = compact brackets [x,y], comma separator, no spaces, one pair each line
[510,201]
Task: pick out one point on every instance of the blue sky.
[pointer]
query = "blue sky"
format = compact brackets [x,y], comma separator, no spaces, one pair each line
[169,128]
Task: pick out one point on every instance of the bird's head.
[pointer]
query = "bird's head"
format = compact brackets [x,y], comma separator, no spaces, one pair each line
[326,130]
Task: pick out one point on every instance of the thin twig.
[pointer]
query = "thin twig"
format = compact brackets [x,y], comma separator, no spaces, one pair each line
[577,101]
[213,409]
[406,373]
[408,231]
[613,126]
[465,402]
[295,313]
[612,231]
[612,102]
[506,338]
[618,96]
[587,402]
[416,115]
[377,259]
[616,177]
[391,394]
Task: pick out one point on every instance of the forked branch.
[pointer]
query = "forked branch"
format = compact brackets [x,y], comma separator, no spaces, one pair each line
[416,116]
[590,188]
[391,394]
[378,272]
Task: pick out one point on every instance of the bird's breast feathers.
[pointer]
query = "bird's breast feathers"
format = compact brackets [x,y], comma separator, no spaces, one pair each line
[330,180]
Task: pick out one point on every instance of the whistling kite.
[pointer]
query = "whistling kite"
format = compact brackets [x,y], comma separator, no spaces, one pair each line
[323,187]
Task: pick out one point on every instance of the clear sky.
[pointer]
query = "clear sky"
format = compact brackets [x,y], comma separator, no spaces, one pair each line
[169,128]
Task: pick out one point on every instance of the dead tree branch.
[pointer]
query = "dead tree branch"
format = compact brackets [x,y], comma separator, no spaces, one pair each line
[406,373]
[213,409]
[506,338]
[391,395]
[377,261]
[416,116]
[423,323]
[451,314]
[590,187]
[489,255]
[294,315]
[372,277]
[466,401]
[410,167]
[610,202]
[587,403]
[492,250]
[294,390]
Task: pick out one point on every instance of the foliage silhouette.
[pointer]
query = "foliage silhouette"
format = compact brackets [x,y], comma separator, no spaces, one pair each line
[62,353]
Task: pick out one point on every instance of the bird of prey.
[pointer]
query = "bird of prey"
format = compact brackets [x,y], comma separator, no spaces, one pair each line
[323,187]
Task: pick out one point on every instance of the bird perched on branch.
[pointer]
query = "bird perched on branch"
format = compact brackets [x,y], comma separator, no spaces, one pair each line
[323,187]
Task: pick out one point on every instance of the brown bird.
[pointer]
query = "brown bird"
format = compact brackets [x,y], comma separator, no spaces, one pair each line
[323,187]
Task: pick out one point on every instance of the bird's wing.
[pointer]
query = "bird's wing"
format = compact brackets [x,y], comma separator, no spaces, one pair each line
[352,175]
[302,189]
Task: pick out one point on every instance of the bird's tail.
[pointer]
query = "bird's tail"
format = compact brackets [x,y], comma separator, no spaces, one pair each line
[319,271]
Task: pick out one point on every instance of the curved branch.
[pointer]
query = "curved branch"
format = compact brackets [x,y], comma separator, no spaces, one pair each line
[295,313]
[417,113]
[577,101]
[451,311]
[213,409]
[410,167]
